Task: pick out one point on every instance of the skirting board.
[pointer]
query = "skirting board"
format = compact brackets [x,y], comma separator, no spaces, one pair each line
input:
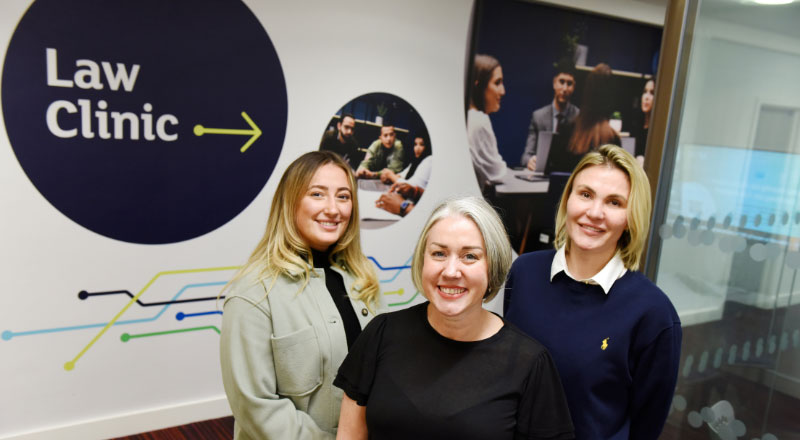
[131,423]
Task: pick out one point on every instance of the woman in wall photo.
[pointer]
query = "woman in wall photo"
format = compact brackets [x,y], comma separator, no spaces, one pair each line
[641,121]
[590,129]
[485,95]
[294,309]
[448,368]
[614,336]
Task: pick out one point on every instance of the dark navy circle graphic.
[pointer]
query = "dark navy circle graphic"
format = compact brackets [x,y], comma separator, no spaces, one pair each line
[143,120]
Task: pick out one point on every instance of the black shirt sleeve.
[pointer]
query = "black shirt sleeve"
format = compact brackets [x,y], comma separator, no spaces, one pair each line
[543,411]
[357,372]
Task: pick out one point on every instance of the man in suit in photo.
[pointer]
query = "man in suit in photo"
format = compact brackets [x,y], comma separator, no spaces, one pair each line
[548,118]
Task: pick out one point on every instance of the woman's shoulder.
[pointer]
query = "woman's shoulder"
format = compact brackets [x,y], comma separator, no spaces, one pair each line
[527,346]
[651,299]
[253,287]
[477,119]
[535,258]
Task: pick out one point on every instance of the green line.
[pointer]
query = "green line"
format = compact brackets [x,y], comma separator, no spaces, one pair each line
[71,364]
[395,292]
[125,337]
[404,302]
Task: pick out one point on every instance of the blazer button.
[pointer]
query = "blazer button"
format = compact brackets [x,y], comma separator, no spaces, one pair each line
[364,312]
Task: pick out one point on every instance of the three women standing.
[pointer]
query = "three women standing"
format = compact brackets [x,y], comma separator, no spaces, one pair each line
[297,305]
[614,336]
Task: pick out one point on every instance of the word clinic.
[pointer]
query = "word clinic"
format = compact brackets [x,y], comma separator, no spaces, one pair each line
[88,76]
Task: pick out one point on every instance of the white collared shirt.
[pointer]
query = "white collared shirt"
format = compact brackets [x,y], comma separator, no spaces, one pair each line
[611,272]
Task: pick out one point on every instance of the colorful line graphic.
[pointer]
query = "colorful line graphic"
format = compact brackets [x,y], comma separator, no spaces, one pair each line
[69,365]
[125,337]
[8,334]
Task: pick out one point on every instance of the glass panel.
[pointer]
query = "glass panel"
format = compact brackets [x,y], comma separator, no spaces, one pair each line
[729,245]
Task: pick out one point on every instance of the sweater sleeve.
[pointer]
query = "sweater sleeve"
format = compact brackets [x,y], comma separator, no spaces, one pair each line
[654,377]
[249,377]
[397,161]
[531,142]
[485,155]
[370,159]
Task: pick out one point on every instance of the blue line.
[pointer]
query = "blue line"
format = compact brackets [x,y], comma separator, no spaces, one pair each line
[180,315]
[396,274]
[8,334]
[405,266]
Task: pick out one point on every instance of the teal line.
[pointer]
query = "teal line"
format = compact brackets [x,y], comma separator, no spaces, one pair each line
[8,334]
[396,274]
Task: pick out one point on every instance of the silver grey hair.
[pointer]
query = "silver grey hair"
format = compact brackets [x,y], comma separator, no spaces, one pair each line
[495,239]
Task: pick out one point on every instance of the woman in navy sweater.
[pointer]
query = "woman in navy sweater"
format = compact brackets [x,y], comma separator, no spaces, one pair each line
[614,336]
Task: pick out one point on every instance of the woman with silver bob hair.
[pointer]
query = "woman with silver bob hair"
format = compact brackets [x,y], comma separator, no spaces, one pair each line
[587,304]
[296,306]
[448,368]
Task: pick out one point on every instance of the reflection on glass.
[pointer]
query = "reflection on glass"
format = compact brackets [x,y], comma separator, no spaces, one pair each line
[730,250]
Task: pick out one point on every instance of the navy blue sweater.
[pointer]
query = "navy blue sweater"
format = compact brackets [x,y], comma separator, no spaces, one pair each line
[617,354]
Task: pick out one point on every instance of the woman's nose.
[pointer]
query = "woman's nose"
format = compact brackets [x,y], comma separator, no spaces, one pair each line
[451,269]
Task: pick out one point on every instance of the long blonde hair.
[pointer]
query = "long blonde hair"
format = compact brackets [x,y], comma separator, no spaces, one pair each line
[631,243]
[283,252]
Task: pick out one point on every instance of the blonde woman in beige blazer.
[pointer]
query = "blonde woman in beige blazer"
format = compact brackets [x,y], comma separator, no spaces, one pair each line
[294,308]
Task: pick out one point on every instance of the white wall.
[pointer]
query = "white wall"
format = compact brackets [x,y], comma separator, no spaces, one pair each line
[331,52]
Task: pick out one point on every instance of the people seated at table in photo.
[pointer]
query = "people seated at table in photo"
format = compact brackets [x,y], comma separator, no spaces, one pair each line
[343,142]
[485,94]
[404,195]
[590,129]
[420,152]
[640,123]
[615,337]
[448,368]
[386,153]
[297,305]
[554,115]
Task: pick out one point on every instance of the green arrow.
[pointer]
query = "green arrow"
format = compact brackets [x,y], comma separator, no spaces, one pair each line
[199,130]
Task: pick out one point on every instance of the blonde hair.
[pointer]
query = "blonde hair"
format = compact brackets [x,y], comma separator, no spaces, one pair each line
[631,243]
[283,252]
[495,239]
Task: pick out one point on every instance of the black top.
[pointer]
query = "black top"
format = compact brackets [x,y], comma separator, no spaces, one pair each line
[335,285]
[416,383]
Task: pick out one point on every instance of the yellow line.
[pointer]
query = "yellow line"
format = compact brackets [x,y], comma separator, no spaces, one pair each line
[256,132]
[71,364]
[394,292]
[227,131]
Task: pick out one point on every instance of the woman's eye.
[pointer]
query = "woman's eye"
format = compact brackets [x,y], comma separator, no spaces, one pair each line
[437,254]
[315,194]
[585,195]
[344,196]
[470,257]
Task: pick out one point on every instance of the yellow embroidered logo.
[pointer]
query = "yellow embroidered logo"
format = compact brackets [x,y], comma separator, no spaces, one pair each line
[604,345]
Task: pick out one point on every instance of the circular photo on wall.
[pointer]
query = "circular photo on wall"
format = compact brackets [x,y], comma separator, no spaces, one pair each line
[386,143]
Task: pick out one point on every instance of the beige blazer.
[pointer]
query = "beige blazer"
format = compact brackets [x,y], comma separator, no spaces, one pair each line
[280,353]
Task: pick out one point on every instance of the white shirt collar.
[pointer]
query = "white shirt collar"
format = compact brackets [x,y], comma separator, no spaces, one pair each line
[611,272]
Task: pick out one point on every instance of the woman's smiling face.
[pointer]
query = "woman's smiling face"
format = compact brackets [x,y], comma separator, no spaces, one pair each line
[455,270]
